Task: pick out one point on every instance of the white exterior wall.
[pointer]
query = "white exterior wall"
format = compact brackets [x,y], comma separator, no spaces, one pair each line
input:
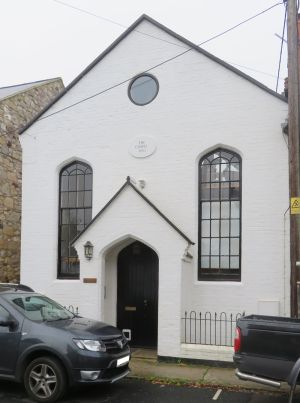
[200,106]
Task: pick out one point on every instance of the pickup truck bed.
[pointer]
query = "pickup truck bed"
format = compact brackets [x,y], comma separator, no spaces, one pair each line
[267,346]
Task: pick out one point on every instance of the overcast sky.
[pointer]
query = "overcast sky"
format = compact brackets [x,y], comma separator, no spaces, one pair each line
[43,39]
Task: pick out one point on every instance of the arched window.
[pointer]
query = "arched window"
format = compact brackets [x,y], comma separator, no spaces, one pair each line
[220,216]
[75,212]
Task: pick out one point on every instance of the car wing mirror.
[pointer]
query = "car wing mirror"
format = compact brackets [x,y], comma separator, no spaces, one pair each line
[11,323]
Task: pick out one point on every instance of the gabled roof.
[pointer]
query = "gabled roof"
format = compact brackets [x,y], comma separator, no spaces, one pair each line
[126,184]
[145,17]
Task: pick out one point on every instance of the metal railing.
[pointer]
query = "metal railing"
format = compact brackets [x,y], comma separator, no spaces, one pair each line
[72,309]
[208,328]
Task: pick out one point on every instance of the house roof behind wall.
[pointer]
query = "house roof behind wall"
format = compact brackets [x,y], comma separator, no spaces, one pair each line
[12,90]
[193,46]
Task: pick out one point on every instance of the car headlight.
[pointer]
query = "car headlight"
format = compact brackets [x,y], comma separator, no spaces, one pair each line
[91,345]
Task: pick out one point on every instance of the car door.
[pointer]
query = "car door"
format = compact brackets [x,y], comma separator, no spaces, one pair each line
[9,343]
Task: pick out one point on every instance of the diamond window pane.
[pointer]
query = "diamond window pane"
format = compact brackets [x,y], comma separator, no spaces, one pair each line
[235,228]
[215,246]
[234,246]
[205,228]
[204,262]
[205,246]
[224,246]
[215,228]
[224,228]
[215,262]
[205,210]
[215,210]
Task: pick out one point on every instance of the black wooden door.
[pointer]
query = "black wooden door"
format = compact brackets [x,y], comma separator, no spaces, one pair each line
[138,294]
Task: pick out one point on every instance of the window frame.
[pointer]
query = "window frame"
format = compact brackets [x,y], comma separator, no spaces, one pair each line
[133,81]
[60,274]
[219,274]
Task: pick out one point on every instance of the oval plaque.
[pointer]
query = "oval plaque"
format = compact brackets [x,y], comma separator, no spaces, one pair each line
[142,147]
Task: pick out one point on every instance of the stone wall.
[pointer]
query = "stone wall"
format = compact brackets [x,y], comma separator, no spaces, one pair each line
[15,112]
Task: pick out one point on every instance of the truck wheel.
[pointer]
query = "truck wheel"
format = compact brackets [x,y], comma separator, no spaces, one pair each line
[45,380]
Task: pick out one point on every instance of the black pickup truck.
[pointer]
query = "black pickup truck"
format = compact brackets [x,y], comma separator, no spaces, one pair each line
[267,350]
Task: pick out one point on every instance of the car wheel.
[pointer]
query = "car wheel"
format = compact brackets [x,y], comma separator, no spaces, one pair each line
[45,380]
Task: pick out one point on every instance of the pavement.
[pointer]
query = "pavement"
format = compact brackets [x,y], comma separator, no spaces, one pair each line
[144,365]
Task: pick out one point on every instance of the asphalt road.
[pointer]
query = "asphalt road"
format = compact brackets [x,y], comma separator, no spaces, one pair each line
[130,390]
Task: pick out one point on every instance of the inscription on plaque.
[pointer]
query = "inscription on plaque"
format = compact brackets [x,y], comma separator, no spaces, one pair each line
[142,147]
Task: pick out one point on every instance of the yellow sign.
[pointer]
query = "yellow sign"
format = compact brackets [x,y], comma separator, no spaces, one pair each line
[295,205]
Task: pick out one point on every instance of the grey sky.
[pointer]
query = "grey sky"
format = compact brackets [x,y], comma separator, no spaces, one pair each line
[43,39]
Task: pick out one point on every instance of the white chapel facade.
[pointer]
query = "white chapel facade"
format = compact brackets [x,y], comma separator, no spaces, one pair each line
[172,172]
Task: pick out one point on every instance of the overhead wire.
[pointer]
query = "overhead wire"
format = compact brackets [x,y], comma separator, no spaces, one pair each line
[281,47]
[151,68]
[159,64]
[116,23]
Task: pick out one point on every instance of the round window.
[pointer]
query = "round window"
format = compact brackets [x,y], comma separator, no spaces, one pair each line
[143,89]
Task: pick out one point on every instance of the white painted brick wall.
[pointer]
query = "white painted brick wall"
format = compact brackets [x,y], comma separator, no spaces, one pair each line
[200,106]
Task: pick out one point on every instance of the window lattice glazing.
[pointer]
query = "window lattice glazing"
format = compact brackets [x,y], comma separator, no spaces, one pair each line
[75,212]
[220,216]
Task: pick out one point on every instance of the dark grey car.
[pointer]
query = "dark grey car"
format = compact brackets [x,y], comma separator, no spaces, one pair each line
[49,349]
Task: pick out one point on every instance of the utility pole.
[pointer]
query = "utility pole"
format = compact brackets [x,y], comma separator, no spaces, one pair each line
[293,133]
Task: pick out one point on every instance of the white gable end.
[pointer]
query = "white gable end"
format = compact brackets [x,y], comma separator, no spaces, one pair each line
[201,106]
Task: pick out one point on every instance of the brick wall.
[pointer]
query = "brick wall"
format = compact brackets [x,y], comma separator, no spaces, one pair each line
[15,111]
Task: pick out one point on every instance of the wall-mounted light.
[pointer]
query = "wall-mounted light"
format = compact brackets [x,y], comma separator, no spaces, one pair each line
[88,250]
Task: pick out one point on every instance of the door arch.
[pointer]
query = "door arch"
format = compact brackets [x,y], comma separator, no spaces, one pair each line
[137,293]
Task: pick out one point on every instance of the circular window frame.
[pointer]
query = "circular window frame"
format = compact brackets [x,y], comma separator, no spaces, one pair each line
[134,79]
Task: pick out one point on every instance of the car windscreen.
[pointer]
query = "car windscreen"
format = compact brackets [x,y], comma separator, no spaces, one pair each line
[38,307]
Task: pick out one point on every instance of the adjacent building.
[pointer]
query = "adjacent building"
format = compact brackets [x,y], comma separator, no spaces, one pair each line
[18,105]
